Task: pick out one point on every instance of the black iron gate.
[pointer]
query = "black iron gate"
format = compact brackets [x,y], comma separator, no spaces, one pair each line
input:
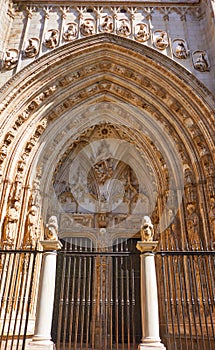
[97,303]
[18,276]
[186,288]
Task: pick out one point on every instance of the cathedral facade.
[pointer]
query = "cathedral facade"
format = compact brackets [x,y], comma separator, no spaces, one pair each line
[107,116]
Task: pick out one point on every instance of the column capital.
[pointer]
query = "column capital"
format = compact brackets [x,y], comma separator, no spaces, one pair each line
[49,244]
[146,246]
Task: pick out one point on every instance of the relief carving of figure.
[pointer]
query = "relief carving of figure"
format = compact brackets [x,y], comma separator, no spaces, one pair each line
[32,227]
[192,223]
[87,27]
[180,49]
[200,61]
[18,186]
[11,59]
[160,40]
[124,27]
[142,32]
[51,232]
[71,32]
[107,24]
[32,48]
[147,230]
[11,221]
[52,41]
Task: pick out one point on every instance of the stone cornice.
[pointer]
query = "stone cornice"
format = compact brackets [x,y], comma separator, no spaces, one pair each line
[114,2]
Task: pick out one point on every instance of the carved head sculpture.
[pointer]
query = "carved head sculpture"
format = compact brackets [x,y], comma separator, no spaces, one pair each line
[147,230]
[52,228]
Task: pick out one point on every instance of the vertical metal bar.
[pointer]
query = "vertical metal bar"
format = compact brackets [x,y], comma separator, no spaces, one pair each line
[72,301]
[111,302]
[88,298]
[100,304]
[207,287]
[66,301]
[196,288]
[171,296]
[94,302]
[29,299]
[61,303]
[77,303]
[8,288]
[24,299]
[133,303]
[166,308]
[191,290]
[83,300]
[127,299]
[122,301]
[12,296]
[203,298]
[187,298]
[176,298]
[19,293]
[117,299]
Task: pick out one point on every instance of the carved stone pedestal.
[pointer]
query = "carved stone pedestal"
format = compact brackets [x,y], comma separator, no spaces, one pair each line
[149,299]
[42,336]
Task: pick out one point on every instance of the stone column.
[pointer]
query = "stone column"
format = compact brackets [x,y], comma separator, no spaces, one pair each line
[149,298]
[42,336]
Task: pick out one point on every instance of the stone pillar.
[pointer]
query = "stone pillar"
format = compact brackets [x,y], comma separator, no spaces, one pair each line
[149,298]
[42,335]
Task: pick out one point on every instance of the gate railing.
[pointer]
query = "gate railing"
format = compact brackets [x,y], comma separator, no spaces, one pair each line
[186,288]
[18,269]
[97,305]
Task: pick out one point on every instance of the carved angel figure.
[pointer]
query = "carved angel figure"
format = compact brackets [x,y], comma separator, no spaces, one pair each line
[160,40]
[147,230]
[71,32]
[52,229]
[142,33]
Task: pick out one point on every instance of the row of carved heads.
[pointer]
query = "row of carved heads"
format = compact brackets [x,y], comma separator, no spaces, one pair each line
[141,34]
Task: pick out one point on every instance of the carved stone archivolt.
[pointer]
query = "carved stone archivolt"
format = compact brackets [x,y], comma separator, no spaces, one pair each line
[52,106]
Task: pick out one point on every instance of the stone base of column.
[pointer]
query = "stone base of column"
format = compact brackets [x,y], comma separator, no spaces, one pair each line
[41,345]
[150,344]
